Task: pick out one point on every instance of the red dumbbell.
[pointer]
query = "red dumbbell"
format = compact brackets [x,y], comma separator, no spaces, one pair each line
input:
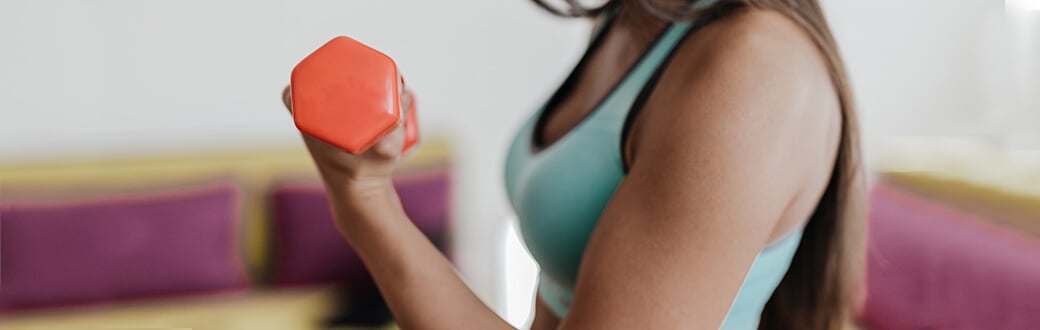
[348,95]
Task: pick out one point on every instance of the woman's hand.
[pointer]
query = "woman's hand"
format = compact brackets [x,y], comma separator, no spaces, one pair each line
[407,267]
[364,173]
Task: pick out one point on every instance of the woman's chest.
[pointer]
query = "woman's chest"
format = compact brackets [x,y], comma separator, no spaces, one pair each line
[604,67]
[559,193]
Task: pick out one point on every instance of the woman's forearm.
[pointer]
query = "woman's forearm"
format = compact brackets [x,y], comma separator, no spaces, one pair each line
[419,284]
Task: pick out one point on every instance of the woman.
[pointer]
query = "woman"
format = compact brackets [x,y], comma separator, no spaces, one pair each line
[699,169]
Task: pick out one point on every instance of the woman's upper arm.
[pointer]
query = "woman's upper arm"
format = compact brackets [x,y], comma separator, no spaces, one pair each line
[705,190]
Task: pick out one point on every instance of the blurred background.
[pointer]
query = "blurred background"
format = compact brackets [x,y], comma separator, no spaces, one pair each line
[138,101]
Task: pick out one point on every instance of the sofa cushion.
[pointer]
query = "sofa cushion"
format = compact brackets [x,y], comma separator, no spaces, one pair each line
[933,267]
[105,249]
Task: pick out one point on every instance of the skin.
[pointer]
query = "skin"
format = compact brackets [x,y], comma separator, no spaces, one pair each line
[731,152]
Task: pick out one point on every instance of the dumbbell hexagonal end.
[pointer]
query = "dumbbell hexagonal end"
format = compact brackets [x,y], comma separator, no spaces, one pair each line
[346,94]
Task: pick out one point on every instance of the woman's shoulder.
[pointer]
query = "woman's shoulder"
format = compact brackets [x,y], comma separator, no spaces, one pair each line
[753,63]
[754,76]
[754,42]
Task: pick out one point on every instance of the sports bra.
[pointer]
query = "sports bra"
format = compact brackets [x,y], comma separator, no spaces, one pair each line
[558,192]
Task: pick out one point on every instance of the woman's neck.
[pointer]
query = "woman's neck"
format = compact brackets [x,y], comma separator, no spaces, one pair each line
[640,25]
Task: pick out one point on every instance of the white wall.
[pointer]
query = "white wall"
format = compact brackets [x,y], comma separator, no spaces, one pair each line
[937,67]
[1022,57]
[107,77]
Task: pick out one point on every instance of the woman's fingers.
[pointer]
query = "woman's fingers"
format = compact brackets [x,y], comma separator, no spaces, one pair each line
[391,144]
[406,103]
[287,98]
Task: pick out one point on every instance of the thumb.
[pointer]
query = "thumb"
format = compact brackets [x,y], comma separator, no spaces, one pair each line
[287,98]
[406,103]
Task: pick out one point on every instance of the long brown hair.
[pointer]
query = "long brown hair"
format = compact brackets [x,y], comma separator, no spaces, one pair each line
[823,286]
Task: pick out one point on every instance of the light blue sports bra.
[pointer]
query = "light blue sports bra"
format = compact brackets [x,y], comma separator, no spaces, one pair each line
[559,192]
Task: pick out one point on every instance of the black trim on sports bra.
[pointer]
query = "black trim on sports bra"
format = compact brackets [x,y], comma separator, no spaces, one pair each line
[537,144]
[651,84]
